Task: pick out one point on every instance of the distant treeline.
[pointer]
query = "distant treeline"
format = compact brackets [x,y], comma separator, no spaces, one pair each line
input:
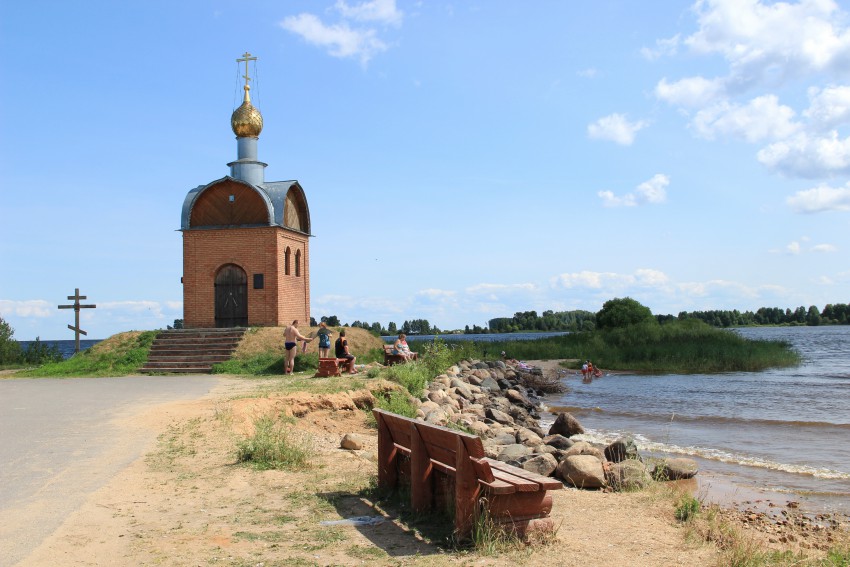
[832,314]
[578,320]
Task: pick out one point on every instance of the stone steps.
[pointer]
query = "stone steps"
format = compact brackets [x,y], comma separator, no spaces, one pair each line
[191,351]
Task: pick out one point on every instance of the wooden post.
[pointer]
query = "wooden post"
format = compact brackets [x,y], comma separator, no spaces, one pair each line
[466,490]
[421,481]
[76,307]
[387,470]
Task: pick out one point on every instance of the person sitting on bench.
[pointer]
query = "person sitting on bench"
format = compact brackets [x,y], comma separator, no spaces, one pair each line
[401,348]
[341,348]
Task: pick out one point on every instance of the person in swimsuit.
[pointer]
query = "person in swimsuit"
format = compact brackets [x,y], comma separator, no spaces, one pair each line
[291,336]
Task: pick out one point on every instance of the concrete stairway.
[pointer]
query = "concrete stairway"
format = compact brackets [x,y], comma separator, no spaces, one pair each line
[191,351]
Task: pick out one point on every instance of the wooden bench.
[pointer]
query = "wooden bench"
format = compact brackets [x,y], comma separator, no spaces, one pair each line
[330,367]
[390,358]
[445,467]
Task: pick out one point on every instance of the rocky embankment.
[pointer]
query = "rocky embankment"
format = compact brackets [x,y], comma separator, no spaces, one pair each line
[501,403]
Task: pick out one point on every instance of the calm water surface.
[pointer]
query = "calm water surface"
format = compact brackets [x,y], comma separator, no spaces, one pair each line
[780,431]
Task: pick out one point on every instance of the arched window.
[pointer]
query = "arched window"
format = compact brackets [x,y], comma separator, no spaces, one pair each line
[298,263]
[286,261]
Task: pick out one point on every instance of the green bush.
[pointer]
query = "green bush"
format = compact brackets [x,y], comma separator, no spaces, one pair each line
[10,350]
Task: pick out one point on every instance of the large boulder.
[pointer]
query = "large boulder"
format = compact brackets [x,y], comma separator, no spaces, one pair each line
[675,469]
[558,441]
[622,449]
[629,474]
[582,471]
[499,416]
[566,425]
[513,452]
[543,464]
[585,448]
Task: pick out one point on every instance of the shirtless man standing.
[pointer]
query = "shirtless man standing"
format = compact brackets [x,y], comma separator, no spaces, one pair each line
[291,336]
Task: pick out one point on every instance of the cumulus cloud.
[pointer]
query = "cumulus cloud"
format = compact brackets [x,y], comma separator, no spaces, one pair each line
[808,156]
[763,118]
[829,107]
[824,248]
[339,39]
[692,92]
[769,42]
[662,47]
[27,308]
[651,192]
[616,128]
[352,37]
[381,11]
[821,199]
[611,280]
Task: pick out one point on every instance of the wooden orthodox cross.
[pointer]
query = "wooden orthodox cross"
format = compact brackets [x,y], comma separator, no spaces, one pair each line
[76,307]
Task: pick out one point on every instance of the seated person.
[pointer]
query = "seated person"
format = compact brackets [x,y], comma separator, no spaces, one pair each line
[341,348]
[401,348]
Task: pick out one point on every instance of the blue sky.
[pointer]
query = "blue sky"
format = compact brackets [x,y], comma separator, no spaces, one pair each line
[462,161]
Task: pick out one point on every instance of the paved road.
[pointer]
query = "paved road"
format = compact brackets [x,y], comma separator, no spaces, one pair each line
[62,439]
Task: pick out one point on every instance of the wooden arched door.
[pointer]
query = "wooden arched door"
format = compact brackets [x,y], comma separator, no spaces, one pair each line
[231,297]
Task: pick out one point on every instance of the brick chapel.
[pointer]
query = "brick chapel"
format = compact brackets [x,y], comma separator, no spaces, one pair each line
[246,259]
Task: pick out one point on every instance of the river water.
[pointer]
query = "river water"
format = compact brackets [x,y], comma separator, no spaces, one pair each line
[779,434]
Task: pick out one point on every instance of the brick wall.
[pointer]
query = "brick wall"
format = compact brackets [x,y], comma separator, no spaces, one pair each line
[257,250]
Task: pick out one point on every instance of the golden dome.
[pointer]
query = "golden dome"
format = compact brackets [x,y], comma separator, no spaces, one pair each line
[246,121]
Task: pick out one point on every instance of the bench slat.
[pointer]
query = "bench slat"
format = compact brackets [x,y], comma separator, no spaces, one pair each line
[521,484]
[545,482]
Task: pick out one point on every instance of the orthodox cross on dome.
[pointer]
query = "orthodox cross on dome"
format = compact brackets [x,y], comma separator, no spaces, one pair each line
[246,57]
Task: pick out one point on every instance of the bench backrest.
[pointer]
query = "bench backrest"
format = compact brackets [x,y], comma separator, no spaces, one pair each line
[441,443]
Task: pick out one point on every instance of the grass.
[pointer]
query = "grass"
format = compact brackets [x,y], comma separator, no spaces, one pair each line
[121,357]
[681,347]
[274,446]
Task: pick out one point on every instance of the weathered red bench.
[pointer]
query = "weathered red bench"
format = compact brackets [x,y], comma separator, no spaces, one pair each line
[330,367]
[390,358]
[431,459]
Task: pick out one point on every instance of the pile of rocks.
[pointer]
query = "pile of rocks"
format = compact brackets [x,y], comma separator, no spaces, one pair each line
[494,401]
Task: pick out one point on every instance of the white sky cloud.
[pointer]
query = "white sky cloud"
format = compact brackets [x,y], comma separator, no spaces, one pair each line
[770,41]
[662,47]
[616,128]
[27,308]
[824,248]
[691,92]
[763,118]
[651,192]
[829,107]
[380,11]
[808,156]
[821,199]
[340,39]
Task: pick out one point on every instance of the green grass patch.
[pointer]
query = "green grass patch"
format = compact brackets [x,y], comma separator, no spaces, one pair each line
[123,359]
[687,508]
[681,347]
[274,446]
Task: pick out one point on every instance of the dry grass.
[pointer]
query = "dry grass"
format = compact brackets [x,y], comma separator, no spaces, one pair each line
[260,340]
[116,343]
